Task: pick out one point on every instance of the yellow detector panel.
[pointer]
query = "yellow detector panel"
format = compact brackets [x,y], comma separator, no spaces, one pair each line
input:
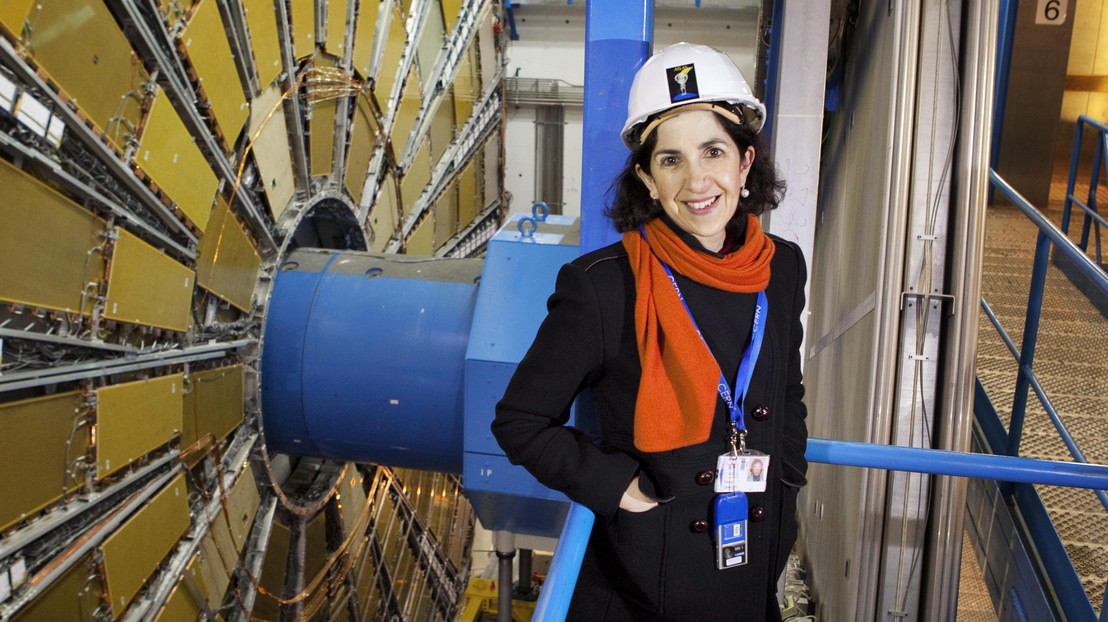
[47,245]
[470,200]
[271,149]
[134,418]
[302,18]
[215,567]
[422,241]
[336,27]
[242,503]
[274,568]
[352,501]
[406,113]
[101,74]
[385,214]
[132,553]
[363,138]
[390,60]
[416,178]
[169,155]
[210,54]
[36,453]
[72,596]
[13,14]
[323,137]
[442,126]
[446,215]
[262,22]
[147,287]
[227,264]
[450,11]
[213,404]
[364,34]
[466,86]
[181,605]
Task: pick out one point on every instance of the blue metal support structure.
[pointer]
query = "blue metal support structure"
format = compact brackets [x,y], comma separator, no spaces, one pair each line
[619,35]
[1100,165]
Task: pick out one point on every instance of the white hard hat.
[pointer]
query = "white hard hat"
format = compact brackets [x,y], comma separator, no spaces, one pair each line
[683,74]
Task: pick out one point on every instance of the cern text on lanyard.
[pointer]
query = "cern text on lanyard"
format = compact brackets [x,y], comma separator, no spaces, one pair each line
[746,365]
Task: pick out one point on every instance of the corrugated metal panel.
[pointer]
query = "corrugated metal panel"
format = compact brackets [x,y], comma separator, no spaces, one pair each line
[262,22]
[364,35]
[363,139]
[133,552]
[46,245]
[39,441]
[302,16]
[336,27]
[146,287]
[227,264]
[169,155]
[213,404]
[104,78]
[134,418]
[383,218]
[210,54]
[271,149]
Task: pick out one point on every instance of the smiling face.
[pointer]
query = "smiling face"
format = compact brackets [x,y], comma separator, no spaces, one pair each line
[696,173]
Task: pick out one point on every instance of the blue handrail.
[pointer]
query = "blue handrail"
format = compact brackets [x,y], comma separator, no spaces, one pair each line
[566,563]
[1057,566]
[1092,217]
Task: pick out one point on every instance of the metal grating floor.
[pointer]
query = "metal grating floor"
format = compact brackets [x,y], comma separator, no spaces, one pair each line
[1072,367]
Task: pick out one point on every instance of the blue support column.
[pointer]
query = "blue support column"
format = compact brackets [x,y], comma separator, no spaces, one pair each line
[619,35]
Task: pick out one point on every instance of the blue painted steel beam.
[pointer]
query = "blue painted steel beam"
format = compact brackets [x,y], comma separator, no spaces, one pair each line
[558,588]
[619,36]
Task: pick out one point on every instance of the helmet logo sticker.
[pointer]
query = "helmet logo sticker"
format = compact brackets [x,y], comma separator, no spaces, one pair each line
[682,83]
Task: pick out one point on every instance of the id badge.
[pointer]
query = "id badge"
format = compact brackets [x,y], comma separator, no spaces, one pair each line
[729,522]
[745,471]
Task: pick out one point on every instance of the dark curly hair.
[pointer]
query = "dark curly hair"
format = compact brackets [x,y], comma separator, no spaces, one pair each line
[632,207]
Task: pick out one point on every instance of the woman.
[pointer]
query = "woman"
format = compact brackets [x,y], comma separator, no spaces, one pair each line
[662,355]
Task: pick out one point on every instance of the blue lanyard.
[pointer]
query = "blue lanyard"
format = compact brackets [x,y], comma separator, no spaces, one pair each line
[746,370]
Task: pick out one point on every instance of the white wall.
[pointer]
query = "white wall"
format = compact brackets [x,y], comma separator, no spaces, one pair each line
[552,45]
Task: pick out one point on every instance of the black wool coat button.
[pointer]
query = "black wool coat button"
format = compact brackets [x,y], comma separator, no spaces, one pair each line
[705,477]
[698,526]
[757,514]
[761,412]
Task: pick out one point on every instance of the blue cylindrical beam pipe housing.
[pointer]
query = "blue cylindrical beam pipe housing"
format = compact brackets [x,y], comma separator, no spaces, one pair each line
[363,358]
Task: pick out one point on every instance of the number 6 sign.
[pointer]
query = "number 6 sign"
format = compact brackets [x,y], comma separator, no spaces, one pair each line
[1051,12]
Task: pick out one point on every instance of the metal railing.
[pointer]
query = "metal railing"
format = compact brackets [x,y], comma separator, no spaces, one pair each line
[1058,567]
[1092,216]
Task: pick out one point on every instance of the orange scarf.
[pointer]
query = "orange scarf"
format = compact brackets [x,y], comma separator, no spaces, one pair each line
[678,388]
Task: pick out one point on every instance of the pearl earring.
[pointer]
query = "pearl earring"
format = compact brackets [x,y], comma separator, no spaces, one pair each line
[744,193]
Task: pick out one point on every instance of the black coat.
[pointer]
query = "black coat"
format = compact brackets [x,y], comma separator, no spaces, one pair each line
[660,564]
